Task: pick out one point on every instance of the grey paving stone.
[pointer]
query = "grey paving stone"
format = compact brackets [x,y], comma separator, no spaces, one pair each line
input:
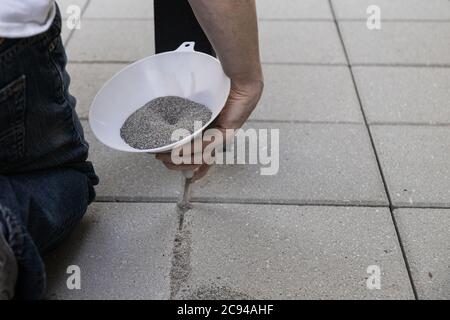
[65,32]
[290,252]
[394,9]
[296,42]
[293,9]
[119,9]
[414,95]
[87,80]
[130,175]
[63,7]
[416,163]
[123,252]
[303,93]
[318,163]
[308,93]
[112,40]
[397,42]
[65,4]
[426,239]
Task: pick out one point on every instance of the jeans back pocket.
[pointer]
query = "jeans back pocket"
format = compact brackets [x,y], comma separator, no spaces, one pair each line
[12,121]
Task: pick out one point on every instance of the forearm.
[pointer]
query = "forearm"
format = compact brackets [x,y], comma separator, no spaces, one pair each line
[232,28]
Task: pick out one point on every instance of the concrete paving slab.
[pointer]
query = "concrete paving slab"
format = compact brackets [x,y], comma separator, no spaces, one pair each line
[290,252]
[134,9]
[397,43]
[394,9]
[426,239]
[303,93]
[112,40]
[87,79]
[416,163]
[318,163]
[412,95]
[64,5]
[308,93]
[131,176]
[65,32]
[296,42]
[123,252]
[293,9]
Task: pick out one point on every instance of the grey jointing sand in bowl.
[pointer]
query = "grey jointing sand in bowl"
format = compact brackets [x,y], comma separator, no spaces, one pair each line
[152,125]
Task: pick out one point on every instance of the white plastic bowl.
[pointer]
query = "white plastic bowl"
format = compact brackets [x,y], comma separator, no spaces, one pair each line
[183,72]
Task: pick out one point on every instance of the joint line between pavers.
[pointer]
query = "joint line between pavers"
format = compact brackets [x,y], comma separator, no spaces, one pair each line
[145,200]
[300,64]
[305,19]
[319,122]
[399,20]
[292,202]
[396,20]
[401,65]
[295,20]
[424,205]
[68,37]
[134,199]
[409,124]
[383,178]
[180,268]
[280,63]
[374,123]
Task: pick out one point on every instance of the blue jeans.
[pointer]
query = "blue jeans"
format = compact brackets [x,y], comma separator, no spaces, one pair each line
[46,182]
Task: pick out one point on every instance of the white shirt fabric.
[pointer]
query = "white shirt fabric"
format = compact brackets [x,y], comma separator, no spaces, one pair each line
[25,18]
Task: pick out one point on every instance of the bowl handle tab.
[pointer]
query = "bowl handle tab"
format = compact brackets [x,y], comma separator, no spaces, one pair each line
[186,47]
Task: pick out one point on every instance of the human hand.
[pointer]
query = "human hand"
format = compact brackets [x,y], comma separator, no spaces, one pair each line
[232,29]
[242,100]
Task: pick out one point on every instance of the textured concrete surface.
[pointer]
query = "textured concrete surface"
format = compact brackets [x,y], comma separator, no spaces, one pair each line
[302,93]
[394,9]
[64,6]
[411,95]
[426,239]
[397,42]
[66,11]
[416,163]
[290,252]
[129,9]
[132,249]
[112,40]
[285,42]
[318,164]
[65,32]
[308,93]
[123,252]
[294,9]
[131,176]
[87,80]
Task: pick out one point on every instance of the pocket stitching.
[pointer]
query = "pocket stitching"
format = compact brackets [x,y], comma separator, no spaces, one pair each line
[16,91]
[60,90]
